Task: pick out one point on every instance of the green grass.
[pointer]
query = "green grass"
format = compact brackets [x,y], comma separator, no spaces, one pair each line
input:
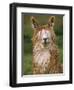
[27,64]
[27,35]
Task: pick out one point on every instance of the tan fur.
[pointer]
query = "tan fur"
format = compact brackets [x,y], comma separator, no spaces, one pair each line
[45,59]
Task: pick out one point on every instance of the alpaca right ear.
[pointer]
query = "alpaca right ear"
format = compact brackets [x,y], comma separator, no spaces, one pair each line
[34,22]
[51,21]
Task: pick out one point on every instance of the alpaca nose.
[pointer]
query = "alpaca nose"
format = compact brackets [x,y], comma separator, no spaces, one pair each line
[45,40]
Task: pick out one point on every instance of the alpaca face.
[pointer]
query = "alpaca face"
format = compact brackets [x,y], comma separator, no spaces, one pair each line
[43,34]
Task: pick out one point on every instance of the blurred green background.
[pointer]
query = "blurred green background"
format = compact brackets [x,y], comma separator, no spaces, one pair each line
[27,32]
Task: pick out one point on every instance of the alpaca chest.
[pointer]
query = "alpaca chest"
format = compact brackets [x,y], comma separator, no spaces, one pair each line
[42,58]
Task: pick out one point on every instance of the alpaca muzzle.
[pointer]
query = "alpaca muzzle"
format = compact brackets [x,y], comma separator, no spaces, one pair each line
[45,41]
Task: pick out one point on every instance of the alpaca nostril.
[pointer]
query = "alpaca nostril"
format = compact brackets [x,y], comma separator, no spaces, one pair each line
[45,39]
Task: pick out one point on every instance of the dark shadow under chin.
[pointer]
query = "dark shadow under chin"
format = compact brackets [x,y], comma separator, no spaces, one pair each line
[46,44]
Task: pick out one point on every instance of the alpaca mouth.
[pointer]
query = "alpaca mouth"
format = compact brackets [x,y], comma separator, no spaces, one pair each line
[46,43]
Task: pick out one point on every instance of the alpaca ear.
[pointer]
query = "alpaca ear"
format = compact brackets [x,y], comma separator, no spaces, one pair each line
[34,22]
[51,21]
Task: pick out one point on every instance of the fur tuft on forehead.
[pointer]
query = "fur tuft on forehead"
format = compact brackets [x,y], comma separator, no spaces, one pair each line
[44,33]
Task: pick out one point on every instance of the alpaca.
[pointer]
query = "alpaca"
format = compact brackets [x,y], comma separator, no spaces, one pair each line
[45,50]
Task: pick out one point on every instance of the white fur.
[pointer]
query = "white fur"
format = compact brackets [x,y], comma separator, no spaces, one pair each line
[44,34]
[42,57]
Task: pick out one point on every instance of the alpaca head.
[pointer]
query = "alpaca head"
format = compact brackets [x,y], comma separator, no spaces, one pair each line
[43,34]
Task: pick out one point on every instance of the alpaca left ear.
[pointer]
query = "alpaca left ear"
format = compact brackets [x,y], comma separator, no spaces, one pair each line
[34,22]
[51,21]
